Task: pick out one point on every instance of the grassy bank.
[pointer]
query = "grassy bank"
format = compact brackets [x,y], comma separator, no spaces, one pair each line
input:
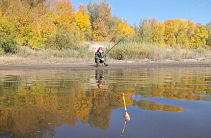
[26,52]
[123,51]
[135,51]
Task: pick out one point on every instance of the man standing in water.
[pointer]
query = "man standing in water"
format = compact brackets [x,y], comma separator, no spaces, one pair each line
[100,57]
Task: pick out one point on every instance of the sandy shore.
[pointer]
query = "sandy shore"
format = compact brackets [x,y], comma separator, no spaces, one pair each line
[91,66]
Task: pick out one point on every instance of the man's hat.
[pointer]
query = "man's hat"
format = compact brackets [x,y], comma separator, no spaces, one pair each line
[100,48]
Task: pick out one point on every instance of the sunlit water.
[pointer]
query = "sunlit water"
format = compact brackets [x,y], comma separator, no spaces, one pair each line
[162,103]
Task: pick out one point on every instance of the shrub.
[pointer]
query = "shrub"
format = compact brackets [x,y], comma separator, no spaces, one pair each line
[62,40]
[8,46]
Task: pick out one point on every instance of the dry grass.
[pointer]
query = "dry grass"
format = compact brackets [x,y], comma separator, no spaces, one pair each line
[123,51]
[82,52]
[136,51]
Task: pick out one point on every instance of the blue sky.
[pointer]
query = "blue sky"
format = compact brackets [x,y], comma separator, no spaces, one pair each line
[133,11]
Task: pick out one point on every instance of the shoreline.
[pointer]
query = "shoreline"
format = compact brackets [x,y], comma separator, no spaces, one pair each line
[112,66]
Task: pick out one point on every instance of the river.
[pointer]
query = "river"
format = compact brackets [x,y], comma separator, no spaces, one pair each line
[161,103]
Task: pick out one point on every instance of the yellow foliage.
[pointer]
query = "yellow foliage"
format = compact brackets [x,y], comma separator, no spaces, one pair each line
[6,28]
[200,35]
[76,33]
[73,30]
[64,12]
[34,24]
[99,30]
[158,33]
[190,33]
[171,28]
[18,15]
[41,30]
[181,36]
[123,28]
[5,25]
[82,21]
[83,9]
[1,10]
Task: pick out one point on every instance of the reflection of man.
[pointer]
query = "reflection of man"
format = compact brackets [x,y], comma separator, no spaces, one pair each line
[99,76]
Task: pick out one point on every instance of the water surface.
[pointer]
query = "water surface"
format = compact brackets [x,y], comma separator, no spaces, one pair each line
[171,103]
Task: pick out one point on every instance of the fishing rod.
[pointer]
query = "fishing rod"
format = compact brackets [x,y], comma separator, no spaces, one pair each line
[114,46]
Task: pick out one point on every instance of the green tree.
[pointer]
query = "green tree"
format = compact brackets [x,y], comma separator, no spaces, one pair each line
[145,31]
[208,28]
[136,36]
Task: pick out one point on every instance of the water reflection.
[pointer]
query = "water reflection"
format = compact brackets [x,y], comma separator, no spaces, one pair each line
[153,106]
[99,76]
[123,130]
[33,104]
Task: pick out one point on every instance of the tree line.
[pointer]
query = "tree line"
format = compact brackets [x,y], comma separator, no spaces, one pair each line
[173,32]
[58,24]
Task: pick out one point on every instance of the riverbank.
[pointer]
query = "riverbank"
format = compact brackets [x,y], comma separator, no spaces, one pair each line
[125,57]
[88,64]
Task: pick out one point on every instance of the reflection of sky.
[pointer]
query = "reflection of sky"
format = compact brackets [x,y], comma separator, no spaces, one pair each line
[136,97]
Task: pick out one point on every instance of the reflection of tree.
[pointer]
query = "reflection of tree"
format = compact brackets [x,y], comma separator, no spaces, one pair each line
[158,83]
[28,110]
[153,106]
[185,89]
[101,110]
[100,117]
[25,122]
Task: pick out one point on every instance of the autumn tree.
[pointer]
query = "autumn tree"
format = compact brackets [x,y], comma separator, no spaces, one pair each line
[171,29]
[181,35]
[158,32]
[56,24]
[67,21]
[10,24]
[19,14]
[200,36]
[33,2]
[100,16]
[63,12]
[82,20]
[190,33]
[4,5]
[42,26]
[1,9]
[123,28]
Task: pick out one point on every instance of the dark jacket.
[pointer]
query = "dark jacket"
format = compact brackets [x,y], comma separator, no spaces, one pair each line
[99,55]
